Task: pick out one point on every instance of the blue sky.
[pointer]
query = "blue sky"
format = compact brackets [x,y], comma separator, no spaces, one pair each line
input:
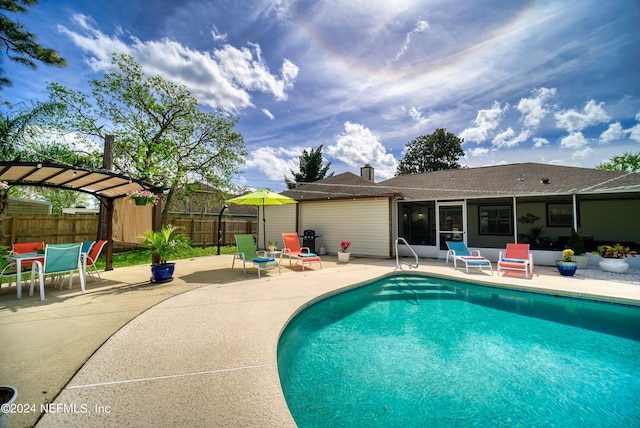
[521,81]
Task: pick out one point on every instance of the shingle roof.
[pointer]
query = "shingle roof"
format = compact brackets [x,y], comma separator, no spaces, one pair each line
[342,186]
[206,199]
[521,179]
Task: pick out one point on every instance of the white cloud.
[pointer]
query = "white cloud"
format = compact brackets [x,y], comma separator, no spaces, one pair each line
[478,152]
[575,140]
[508,138]
[268,113]
[416,115]
[535,109]
[486,121]
[358,145]
[582,153]
[420,27]
[274,162]
[613,133]
[573,120]
[540,142]
[217,36]
[634,133]
[222,78]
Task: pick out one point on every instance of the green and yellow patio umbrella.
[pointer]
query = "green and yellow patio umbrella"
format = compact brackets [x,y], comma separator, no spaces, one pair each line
[261,198]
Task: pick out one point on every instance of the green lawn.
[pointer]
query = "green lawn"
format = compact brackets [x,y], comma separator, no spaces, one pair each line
[142,257]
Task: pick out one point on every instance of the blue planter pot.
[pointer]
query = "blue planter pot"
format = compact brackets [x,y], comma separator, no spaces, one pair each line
[162,273]
[566,268]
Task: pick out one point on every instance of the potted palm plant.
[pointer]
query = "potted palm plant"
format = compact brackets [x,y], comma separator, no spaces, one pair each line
[164,244]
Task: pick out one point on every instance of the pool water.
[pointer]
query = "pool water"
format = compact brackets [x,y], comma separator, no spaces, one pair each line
[410,350]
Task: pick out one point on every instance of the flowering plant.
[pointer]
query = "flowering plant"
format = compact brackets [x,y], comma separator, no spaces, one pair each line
[617,251]
[272,246]
[567,255]
[344,246]
[143,197]
[4,185]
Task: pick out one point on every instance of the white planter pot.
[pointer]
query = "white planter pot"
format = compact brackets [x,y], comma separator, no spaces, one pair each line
[613,265]
[583,261]
[343,257]
[5,417]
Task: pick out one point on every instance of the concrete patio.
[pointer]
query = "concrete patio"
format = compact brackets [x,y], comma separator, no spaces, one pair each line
[198,351]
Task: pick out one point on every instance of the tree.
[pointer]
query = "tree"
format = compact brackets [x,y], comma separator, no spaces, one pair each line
[18,43]
[432,152]
[20,124]
[22,137]
[625,162]
[311,168]
[161,135]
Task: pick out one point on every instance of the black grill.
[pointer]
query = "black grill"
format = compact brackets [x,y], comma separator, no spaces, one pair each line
[309,240]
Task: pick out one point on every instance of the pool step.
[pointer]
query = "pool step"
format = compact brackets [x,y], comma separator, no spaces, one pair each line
[416,292]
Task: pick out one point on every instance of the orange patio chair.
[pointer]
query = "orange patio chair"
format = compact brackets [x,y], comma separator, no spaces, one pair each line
[93,255]
[28,247]
[292,249]
[516,257]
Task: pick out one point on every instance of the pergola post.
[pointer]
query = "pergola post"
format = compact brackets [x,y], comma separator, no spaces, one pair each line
[109,221]
[156,223]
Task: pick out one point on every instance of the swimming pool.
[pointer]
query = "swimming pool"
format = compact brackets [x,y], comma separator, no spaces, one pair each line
[411,350]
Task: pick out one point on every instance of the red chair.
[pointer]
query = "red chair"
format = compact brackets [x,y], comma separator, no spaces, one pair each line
[93,256]
[293,251]
[28,247]
[516,257]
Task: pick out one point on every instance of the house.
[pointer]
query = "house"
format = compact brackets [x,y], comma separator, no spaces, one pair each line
[24,206]
[204,201]
[486,207]
[341,207]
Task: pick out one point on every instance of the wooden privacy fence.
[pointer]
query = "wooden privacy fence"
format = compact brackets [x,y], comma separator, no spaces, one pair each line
[56,229]
[204,232]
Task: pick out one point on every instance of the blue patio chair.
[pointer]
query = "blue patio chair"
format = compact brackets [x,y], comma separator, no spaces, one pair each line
[58,259]
[86,246]
[458,251]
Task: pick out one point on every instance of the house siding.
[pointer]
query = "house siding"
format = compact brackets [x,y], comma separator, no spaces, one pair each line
[364,222]
[279,219]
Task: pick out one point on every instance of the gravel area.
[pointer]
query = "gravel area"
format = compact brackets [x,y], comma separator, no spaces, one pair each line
[632,276]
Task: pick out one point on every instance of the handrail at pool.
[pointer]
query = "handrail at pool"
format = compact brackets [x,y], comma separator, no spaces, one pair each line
[398,263]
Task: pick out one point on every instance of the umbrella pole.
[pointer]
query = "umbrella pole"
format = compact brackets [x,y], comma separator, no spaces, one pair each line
[264,228]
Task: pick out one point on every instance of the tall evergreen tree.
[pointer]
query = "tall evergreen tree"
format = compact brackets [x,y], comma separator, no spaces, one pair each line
[432,152]
[311,168]
[18,43]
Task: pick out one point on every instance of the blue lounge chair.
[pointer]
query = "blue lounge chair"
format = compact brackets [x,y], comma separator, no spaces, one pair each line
[458,251]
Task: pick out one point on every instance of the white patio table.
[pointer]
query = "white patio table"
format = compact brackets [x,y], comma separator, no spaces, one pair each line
[19,258]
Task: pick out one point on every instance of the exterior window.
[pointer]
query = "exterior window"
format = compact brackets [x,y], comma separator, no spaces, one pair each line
[559,215]
[495,220]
